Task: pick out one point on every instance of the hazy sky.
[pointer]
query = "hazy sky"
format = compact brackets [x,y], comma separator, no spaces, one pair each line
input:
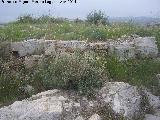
[113,8]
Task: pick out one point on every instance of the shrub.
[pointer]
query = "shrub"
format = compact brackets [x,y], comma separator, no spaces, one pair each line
[11,78]
[95,34]
[4,50]
[71,72]
[143,32]
[97,17]
[45,19]
[78,20]
[26,19]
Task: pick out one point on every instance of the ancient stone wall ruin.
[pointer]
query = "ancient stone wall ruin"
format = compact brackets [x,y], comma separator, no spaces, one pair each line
[123,49]
[34,50]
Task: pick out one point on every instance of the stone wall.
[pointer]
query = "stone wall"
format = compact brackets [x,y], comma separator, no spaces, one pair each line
[123,49]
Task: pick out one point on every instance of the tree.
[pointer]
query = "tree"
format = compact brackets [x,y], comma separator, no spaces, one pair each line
[26,19]
[97,17]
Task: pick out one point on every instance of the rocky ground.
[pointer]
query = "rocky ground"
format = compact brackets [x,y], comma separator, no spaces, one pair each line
[115,101]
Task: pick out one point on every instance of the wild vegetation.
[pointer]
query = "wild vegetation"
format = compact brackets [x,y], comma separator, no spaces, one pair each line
[27,27]
[81,72]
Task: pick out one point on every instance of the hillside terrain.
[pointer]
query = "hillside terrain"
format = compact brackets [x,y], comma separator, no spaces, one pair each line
[87,71]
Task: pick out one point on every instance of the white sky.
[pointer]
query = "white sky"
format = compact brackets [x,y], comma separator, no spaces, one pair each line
[113,8]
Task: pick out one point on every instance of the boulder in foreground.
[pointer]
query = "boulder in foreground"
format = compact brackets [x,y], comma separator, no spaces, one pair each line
[121,99]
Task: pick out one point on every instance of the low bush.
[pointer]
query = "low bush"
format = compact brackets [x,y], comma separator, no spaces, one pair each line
[140,72]
[71,72]
[97,17]
[26,19]
[12,76]
[95,34]
[83,72]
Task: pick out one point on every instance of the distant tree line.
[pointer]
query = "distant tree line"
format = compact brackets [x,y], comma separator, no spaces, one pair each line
[94,17]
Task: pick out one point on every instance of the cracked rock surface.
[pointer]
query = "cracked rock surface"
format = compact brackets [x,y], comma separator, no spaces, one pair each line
[122,98]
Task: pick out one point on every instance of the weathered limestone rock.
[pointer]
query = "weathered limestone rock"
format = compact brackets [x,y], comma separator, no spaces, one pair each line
[70,46]
[122,97]
[98,46]
[50,47]
[40,107]
[146,47]
[95,117]
[111,47]
[79,118]
[135,47]
[152,105]
[122,50]
[153,100]
[157,112]
[48,105]
[75,44]
[28,47]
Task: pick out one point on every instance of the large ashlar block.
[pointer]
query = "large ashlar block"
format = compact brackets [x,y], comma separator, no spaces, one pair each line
[74,44]
[111,48]
[50,47]
[146,47]
[29,47]
[124,50]
[98,46]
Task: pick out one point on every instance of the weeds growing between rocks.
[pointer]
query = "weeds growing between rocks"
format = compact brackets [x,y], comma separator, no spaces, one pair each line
[76,72]
[82,72]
